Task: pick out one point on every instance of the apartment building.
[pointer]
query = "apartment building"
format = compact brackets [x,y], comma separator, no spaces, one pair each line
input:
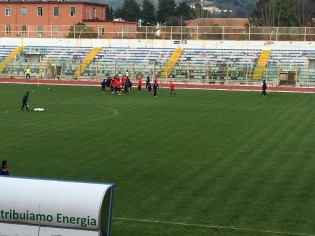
[52,18]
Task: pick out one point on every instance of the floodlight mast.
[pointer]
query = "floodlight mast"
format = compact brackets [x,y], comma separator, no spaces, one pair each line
[80,46]
[82,31]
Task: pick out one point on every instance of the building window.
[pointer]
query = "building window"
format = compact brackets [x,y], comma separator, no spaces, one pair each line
[72,11]
[94,13]
[101,30]
[56,11]
[23,11]
[8,11]
[24,29]
[7,29]
[55,30]
[39,11]
[40,31]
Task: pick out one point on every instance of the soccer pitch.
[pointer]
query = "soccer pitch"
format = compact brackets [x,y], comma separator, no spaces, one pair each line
[201,163]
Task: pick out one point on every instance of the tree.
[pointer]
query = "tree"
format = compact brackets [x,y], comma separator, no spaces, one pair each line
[130,11]
[307,11]
[80,30]
[264,13]
[148,13]
[174,21]
[166,8]
[242,8]
[109,13]
[283,13]
[184,11]
[199,12]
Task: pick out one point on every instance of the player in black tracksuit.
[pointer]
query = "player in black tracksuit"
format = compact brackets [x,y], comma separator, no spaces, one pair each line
[264,88]
[155,87]
[4,169]
[149,88]
[24,101]
[107,84]
[128,85]
[147,83]
[103,84]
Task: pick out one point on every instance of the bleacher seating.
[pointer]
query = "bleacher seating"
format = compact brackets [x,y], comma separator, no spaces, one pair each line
[107,62]
[213,63]
[5,51]
[138,60]
[193,63]
[216,56]
[135,55]
[296,61]
[288,56]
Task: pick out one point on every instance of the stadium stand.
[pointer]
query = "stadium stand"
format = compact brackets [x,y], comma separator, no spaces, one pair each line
[215,64]
[191,64]
[5,51]
[294,62]
[9,56]
[140,60]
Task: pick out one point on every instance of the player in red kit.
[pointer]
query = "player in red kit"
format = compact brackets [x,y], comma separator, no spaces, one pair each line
[156,81]
[112,85]
[117,86]
[122,82]
[139,85]
[172,86]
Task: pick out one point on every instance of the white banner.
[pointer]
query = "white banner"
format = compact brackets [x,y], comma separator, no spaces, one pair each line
[54,203]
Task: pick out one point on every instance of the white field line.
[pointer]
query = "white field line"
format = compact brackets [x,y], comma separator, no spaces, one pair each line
[110,109]
[115,112]
[6,112]
[231,228]
[52,103]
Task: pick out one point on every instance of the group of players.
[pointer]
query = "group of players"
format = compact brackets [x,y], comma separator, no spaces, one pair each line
[122,85]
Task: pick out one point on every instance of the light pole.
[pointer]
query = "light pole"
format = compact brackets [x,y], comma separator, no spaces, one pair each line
[181,29]
[80,47]
[82,31]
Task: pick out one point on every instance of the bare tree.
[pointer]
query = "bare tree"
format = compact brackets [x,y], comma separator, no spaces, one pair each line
[281,13]
[266,13]
[305,9]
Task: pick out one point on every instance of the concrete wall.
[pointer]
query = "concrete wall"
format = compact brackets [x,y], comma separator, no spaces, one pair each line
[135,43]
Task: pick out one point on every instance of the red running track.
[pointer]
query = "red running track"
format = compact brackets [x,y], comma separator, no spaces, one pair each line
[180,86]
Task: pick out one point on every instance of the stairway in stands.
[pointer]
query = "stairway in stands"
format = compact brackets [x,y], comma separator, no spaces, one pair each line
[261,64]
[12,55]
[42,67]
[86,61]
[171,63]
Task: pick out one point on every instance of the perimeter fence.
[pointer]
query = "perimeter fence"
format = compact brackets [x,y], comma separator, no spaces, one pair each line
[210,73]
[160,32]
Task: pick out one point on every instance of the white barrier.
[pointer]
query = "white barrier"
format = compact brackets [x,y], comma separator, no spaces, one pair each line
[157,43]
[44,207]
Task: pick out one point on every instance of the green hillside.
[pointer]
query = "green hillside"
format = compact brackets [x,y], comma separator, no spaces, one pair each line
[240,8]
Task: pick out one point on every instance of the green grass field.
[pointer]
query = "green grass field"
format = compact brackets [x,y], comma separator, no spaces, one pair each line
[201,163]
